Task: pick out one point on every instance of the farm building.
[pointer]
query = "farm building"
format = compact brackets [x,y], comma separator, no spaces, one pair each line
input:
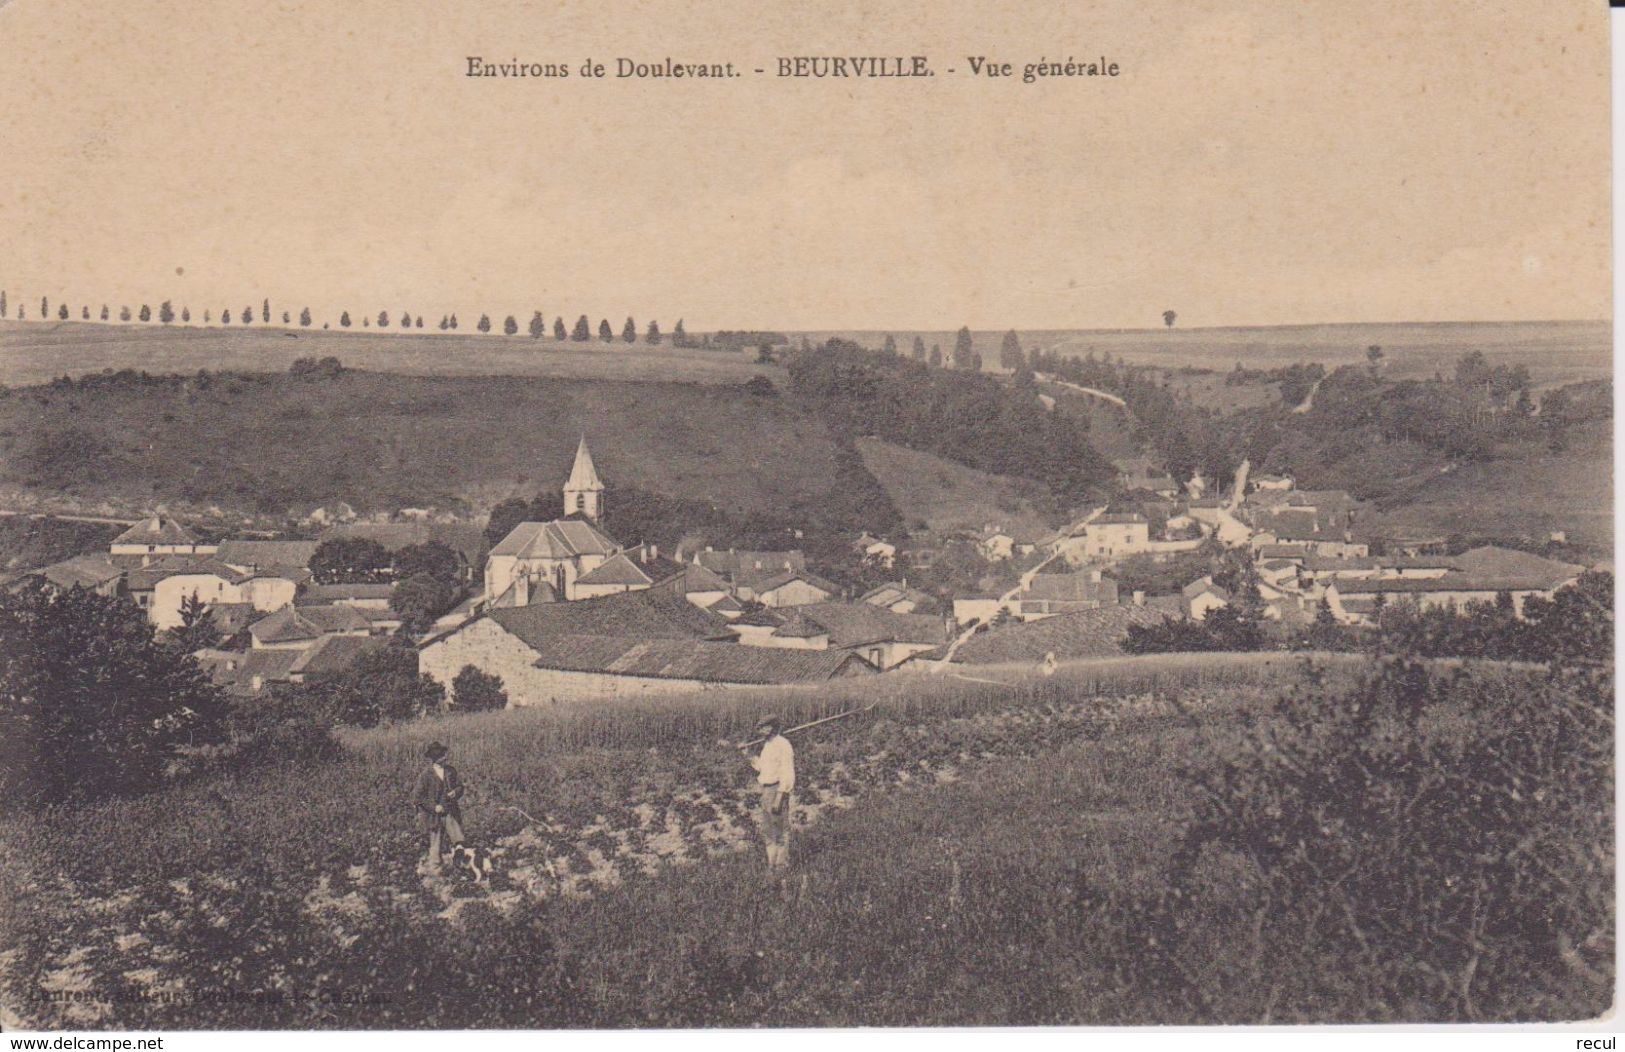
[628,571]
[897,597]
[157,536]
[883,638]
[1477,576]
[94,573]
[625,645]
[250,556]
[299,628]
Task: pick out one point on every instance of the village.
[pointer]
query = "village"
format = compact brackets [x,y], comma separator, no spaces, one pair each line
[561,611]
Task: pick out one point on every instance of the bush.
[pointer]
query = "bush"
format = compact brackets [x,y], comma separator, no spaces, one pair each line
[476,691]
[91,704]
[1417,848]
[281,729]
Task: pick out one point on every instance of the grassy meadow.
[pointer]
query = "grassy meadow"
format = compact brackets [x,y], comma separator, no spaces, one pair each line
[972,850]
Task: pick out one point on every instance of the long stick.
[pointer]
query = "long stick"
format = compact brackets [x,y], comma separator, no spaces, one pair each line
[814,723]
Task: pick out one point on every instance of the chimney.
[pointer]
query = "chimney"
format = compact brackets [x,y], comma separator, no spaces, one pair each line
[1139,598]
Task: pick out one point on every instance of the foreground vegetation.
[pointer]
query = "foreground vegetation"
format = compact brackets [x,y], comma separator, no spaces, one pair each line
[1167,839]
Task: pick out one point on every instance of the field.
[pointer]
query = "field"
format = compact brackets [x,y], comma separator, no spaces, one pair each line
[945,495]
[1557,352]
[34,352]
[964,854]
[275,441]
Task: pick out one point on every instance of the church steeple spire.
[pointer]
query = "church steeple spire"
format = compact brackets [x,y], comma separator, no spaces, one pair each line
[584,490]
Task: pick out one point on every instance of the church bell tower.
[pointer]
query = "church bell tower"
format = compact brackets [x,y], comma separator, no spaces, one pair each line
[584,490]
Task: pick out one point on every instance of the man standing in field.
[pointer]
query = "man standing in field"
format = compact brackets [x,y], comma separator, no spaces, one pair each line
[436,799]
[776,774]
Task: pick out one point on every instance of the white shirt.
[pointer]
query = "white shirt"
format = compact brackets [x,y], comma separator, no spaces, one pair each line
[777,763]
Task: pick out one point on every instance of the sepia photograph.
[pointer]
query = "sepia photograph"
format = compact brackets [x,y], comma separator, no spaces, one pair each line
[625,516]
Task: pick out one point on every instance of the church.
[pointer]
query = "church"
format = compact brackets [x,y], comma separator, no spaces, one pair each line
[540,562]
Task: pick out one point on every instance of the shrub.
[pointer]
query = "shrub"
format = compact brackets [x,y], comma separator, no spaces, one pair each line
[1416,848]
[476,691]
[90,703]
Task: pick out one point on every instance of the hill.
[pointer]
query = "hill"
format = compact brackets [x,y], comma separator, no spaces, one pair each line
[34,352]
[270,442]
[947,496]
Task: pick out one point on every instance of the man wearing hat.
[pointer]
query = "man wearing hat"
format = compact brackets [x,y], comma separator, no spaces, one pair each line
[776,774]
[436,800]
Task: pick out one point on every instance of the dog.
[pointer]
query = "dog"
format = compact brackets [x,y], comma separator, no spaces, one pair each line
[471,863]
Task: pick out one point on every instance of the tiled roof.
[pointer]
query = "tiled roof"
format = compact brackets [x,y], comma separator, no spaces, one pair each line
[1454,581]
[800,626]
[1494,562]
[323,594]
[851,624]
[231,618]
[266,554]
[146,578]
[85,571]
[730,563]
[236,670]
[645,614]
[333,654]
[1283,551]
[762,584]
[693,660]
[1071,587]
[892,593]
[308,622]
[726,604]
[617,569]
[207,567]
[156,531]
[761,617]
[559,539]
[1085,633]
[697,578]
[1127,519]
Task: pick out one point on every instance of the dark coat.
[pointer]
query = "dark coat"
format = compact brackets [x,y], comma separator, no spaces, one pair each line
[431,790]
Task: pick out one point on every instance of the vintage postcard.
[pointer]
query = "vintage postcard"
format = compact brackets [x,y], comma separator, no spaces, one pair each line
[610,514]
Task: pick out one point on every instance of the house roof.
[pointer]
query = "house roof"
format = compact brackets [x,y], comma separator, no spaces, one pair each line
[236,670]
[204,568]
[266,554]
[1283,551]
[617,569]
[1124,519]
[84,571]
[761,617]
[694,659]
[852,624]
[646,614]
[799,626]
[156,531]
[232,618]
[559,539]
[697,578]
[1083,586]
[762,584]
[1453,581]
[893,592]
[731,562]
[333,654]
[726,604]
[324,594]
[146,578]
[307,622]
[583,474]
[1491,561]
[1085,633]
[1201,585]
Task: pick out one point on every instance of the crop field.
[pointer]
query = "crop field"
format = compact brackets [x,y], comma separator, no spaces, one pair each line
[302,879]
[1557,352]
[34,352]
[958,854]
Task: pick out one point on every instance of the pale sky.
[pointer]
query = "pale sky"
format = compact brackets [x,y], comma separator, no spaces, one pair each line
[1256,162]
